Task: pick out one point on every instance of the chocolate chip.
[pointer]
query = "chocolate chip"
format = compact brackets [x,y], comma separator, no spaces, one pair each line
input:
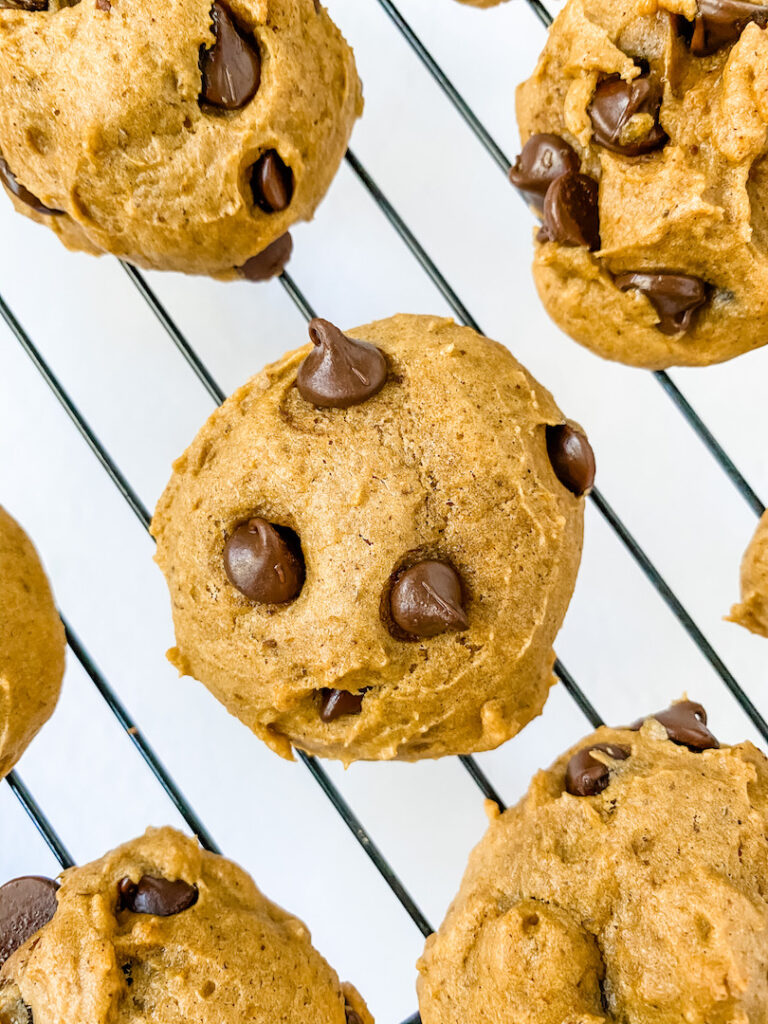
[572,458]
[353,1017]
[158,896]
[26,904]
[427,599]
[232,66]
[675,297]
[103,5]
[543,159]
[24,5]
[271,182]
[585,775]
[720,22]
[8,178]
[686,724]
[335,703]
[615,103]
[270,262]
[571,215]
[264,562]
[339,371]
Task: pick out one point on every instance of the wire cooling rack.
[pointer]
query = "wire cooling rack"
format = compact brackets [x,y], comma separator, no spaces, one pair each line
[428,266]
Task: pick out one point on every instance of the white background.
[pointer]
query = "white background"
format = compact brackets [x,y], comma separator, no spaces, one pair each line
[619,641]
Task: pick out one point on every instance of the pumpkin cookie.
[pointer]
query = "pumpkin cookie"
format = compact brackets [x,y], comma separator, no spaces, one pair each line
[752,611]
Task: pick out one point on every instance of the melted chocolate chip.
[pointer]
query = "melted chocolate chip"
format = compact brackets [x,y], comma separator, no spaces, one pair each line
[103,5]
[232,66]
[720,22]
[543,159]
[675,297]
[264,562]
[571,215]
[271,182]
[572,458]
[8,178]
[686,724]
[586,776]
[427,600]
[339,371]
[158,896]
[24,5]
[26,904]
[270,262]
[615,103]
[335,703]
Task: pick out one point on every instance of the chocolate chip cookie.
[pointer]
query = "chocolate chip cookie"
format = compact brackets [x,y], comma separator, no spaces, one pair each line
[184,135]
[370,547]
[627,886]
[752,611]
[645,158]
[32,644]
[160,930]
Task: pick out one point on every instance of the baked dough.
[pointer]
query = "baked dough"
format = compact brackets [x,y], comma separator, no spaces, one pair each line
[437,483]
[222,954]
[663,103]
[32,644]
[752,611]
[117,114]
[643,903]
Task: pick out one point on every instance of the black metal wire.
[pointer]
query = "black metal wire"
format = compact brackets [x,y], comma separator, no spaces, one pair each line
[40,820]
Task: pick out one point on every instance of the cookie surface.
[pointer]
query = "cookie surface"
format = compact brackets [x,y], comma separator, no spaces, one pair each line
[185,136]
[663,107]
[160,930]
[644,902]
[752,611]
[32,644]
[438,547]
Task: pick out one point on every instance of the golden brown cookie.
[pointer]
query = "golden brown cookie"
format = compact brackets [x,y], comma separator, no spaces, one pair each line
[368,550]
[32,644]
[629,885]
[186,135]
[644,126]
[752,611]
[160,930]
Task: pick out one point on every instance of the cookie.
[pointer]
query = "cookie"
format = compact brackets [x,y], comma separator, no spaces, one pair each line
[628,885]
[370,547]
[32,644]
[645,157]
[752,612]
[160,930]
[184,135]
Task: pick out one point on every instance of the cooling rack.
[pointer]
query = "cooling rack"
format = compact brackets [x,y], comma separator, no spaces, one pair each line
[604,508]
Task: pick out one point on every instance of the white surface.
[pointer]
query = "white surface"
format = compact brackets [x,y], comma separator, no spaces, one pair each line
[619,641]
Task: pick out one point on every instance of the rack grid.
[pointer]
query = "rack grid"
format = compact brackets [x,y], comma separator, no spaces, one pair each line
[153,761]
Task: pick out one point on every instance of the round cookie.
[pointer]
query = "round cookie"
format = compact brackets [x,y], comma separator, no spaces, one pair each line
[401,481]
[628,885]
[187,135]
[32,647]
[752,611]
[654,248]
[160,930]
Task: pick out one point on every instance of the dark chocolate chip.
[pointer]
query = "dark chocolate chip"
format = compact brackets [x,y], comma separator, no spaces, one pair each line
[686,724]
[428,599]
[264,562]
[543,159]
[26,904]
[572,458]
[158,896]
[8,178]
[675,297]
[585,775]
[270,262]
[571,215]
[24,5]
[614,104]
[232,66]
[339,371]
[720,22]
[271,182]
[103,5]
[335,703]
